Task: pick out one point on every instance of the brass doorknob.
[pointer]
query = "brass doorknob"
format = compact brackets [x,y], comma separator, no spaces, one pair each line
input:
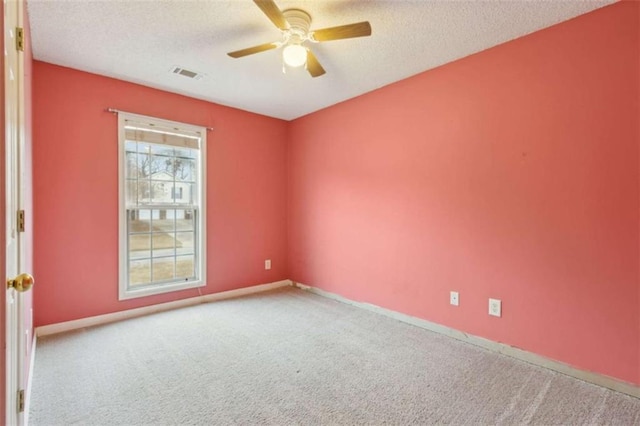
[22,282]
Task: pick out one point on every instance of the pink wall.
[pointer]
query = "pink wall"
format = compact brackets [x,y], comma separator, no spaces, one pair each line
[76,192]
[510,174]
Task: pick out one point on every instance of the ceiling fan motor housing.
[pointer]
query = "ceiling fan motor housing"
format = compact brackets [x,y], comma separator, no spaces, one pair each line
[299,21]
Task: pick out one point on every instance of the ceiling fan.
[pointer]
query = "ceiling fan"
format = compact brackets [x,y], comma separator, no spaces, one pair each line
[294,25]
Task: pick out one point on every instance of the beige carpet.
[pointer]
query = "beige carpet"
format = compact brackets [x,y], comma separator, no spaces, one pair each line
[291,357]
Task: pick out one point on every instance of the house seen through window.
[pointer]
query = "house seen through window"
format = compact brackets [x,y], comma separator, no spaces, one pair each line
[162,224]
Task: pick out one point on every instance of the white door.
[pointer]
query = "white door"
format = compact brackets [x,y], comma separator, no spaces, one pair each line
[15,344]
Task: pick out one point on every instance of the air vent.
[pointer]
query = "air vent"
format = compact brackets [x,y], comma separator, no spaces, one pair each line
[187,73]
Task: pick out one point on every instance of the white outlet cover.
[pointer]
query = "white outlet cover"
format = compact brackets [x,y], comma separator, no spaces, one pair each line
[267,264]
[454,298]
[495,307]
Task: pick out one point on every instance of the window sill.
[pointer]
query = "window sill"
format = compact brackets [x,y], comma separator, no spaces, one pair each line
[158,289]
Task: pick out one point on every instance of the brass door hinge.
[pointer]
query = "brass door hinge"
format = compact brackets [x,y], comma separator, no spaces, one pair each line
[20,220]
[21,400]
[20,39]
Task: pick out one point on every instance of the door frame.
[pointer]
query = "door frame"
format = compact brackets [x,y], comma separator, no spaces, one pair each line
[13,199]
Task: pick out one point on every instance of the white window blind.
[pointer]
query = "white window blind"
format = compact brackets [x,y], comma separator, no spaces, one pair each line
[161,135]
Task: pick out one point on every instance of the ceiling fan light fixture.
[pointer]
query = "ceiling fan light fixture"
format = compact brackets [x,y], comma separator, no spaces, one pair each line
[294,55]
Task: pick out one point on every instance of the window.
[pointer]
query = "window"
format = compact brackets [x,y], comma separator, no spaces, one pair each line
[162,206]
[176,193]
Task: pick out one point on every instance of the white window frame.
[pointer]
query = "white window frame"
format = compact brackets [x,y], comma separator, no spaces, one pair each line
[200,239]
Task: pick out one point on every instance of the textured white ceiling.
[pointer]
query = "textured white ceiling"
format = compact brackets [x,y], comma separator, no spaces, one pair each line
[140,41]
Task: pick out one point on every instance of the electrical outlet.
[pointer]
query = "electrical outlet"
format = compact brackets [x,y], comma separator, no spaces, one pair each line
[454,298]
[495,307]
[267,264]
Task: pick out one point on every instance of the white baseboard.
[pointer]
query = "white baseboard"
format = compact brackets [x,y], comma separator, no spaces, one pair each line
[61,327]
[530,357]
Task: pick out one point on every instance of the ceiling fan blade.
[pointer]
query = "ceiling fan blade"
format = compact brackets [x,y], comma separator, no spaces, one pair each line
[360,29]
[313,66]
[252,50]
[273,13]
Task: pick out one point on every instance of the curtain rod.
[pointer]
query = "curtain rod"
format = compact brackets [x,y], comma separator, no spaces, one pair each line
[115,111]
